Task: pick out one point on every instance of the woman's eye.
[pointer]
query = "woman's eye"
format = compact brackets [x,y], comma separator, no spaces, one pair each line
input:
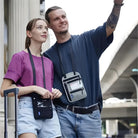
[46,28]
[39,27]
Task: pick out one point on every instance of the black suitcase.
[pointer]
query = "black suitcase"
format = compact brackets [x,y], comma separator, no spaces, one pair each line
[6,92]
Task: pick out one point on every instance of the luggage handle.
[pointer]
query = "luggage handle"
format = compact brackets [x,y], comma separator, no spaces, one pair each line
[6,92]
[13,90]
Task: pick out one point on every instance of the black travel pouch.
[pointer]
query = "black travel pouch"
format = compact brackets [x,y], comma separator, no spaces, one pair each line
[42,108]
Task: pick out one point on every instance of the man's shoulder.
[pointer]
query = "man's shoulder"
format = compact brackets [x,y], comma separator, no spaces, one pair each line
[49,51]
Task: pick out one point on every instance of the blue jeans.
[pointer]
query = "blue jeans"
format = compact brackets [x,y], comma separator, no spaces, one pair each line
[79,125]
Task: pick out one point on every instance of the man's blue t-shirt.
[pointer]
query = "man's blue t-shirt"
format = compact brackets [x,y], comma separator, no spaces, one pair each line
[85,52]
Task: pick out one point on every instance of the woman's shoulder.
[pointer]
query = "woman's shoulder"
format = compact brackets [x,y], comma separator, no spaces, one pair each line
[20,55]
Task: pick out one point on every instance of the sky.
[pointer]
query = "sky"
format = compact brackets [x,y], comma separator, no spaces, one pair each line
[84,15]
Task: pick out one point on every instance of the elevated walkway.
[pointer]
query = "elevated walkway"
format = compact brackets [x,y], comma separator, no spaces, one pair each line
[119,110]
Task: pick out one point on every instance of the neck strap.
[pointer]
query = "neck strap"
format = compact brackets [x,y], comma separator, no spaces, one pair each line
[72,61]
[33,68]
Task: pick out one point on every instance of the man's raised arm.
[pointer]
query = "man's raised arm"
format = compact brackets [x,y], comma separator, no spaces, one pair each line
[113,18]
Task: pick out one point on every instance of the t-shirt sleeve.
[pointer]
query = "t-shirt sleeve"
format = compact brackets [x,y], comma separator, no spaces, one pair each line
[99,39]
[15,68]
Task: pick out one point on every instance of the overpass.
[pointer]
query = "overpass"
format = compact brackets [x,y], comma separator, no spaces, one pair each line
[120,110]
[120,80]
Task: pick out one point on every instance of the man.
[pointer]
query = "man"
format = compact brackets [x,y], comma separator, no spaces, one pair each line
[76,72]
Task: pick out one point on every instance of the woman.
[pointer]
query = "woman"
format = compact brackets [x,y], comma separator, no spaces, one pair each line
[20,75]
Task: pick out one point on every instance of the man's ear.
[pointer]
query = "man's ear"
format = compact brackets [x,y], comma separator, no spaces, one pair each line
[28,33]
[48,25]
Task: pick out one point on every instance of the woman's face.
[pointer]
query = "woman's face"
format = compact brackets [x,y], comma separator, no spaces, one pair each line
[40,32]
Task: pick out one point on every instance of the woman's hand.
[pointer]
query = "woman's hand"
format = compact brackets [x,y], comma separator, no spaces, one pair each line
[43,92]
[56,93]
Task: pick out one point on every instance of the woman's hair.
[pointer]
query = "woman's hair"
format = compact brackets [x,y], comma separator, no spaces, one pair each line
[50,10]
[29,27]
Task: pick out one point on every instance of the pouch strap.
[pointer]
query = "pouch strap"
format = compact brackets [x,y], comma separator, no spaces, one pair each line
[72,61]
[33,68]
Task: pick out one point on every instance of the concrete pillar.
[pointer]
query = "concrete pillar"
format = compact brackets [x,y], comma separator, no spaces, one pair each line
[1,48]
[17,20]
[1,63]
[111,127]
[34,9]
[134,80]
[1,40]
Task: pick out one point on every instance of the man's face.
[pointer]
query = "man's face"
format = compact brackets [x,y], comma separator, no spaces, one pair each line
[58,21]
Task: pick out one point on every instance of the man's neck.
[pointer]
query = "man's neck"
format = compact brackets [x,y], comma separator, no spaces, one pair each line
[63,37]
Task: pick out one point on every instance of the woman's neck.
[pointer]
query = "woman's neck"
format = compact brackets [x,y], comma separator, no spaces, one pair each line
[35,50]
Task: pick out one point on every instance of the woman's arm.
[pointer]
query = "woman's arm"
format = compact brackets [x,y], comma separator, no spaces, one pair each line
[8,84]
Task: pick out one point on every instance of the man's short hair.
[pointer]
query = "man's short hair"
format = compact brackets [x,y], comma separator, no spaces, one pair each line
[50,10]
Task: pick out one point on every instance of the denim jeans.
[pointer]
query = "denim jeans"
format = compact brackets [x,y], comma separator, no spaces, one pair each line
[79,125]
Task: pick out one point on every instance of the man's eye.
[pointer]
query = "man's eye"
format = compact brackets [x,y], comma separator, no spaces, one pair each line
[56,19]
[63,17]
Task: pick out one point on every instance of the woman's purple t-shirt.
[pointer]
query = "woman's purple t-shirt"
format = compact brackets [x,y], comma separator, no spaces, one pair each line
[20,70]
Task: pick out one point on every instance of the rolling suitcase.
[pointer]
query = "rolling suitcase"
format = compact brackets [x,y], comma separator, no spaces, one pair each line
[6,92]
